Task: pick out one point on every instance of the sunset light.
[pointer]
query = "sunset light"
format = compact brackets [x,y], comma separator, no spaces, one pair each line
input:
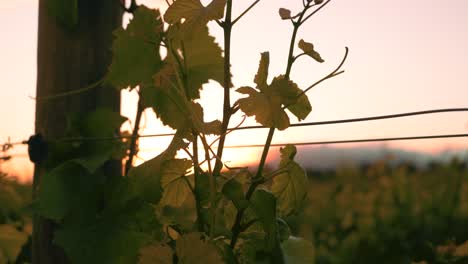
[233,131]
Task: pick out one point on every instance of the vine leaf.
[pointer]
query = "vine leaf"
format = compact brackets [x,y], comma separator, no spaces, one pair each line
[11,242]
[210,128]
[261,77]
[114,237]
[201,58]
[194,13]
[308,49]
[298,251]
[66,189]
[169,105]
[285,13]
[267,103]
[145,179]
[156,253]
[290,187]
[233,190]
[264,205]
[136,50]
[191,249]
[267,111]
[289,92]
[174,182]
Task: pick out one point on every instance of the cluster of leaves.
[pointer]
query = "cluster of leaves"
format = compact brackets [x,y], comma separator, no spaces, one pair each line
[170,210]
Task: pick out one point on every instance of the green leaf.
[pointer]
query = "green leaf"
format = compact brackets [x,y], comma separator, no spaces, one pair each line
[69,188]
[290,187]
[146,178]
[298,251]
[103,122]
[114,238]
[191,249]
[194,13]
[156,253]
[136,50]
[233,190]
[174,182]
[169,105]
[11,242]
[200,56]
[264,205]
[308,49]
[65,11]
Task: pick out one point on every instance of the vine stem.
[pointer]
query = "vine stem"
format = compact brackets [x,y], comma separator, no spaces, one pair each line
[134,139]
[227,26]
[237,227]
[212,183]
[197,176]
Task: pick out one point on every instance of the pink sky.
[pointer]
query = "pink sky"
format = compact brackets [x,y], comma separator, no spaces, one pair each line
[404,56]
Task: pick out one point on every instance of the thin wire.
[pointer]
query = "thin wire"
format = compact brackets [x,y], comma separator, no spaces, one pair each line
[351,141]
[371,118]
[329,122]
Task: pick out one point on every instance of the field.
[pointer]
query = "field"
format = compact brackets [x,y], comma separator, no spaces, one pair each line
[372,214]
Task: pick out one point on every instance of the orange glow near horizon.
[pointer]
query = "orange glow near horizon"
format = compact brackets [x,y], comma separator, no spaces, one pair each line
[401,59]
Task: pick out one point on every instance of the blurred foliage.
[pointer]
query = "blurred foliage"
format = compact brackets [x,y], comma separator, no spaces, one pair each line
[379,213]
[15,220]
[388,214]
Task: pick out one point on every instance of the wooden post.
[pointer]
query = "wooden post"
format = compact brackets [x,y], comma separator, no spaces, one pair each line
[69,59]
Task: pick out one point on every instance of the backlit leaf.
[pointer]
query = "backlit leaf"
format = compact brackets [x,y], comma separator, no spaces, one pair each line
[136,50]
[261,77]
[210,128]
[195,14]
[267,110]
[200,56]
[288,91]
[267,104]
[169,105]
[290,186]
[146,178]
[191,249]
[308,48]
[174,182]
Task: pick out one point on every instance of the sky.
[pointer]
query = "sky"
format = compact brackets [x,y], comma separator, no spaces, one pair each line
[404,56]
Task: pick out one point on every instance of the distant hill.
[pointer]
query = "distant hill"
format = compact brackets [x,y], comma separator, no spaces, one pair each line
[318,158]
